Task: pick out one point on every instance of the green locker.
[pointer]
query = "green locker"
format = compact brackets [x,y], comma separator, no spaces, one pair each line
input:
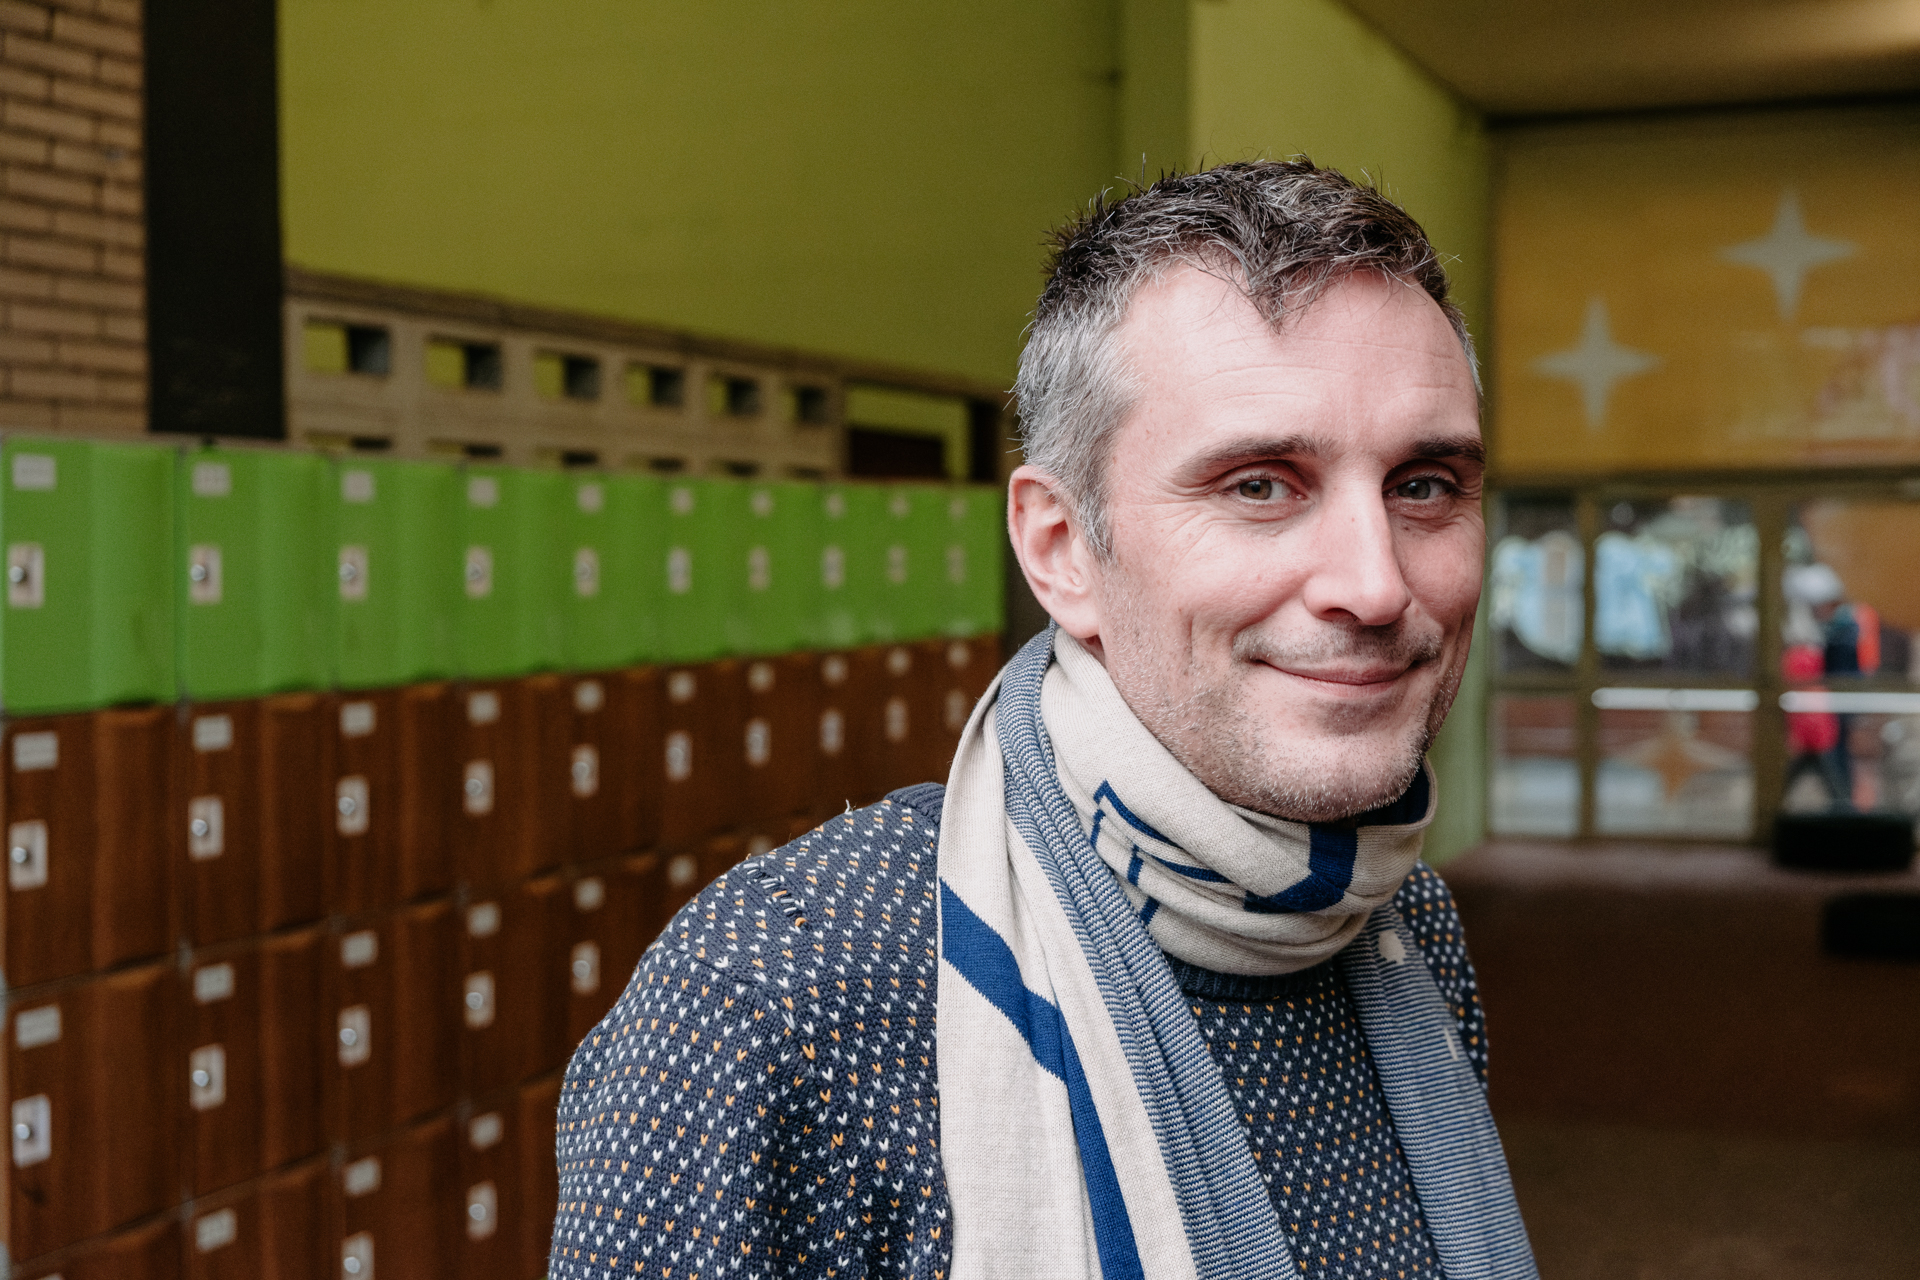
[252,595]
[844,571]
[775,564]
[512,572]
[611,535]
[693,603]
[904,554]
[396,567]
[89,617]
[975,554]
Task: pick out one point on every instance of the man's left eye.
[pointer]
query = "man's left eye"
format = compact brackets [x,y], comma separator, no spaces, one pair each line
[1258,490]
[1420,488]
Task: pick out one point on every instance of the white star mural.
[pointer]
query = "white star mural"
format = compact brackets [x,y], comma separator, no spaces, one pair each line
[1596,362]
[1788,252]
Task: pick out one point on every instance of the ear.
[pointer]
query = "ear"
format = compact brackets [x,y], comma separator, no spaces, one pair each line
[1056,559]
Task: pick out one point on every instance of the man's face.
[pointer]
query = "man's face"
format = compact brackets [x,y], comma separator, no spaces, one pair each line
[1296,539]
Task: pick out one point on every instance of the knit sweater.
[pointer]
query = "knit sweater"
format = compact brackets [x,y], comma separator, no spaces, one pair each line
[763,1101]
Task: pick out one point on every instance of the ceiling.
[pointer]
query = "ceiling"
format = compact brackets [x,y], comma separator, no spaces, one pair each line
[1534,57]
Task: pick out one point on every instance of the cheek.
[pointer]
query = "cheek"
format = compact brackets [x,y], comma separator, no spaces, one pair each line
[1445,575]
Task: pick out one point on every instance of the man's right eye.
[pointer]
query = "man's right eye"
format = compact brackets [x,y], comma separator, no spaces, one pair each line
[1257,490]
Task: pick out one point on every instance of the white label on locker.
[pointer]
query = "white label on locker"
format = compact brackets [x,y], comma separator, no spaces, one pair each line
[486,1131]
[760,677]
[27,854]
[32,1130]
[959,655]
[585,968]
[899,660]
[586,572]
[350,806]
[759,742]
[957,508]
[356,1256]
[956,563]
[836,505]
[353,573]
[356,719]
[36,751]
[216,1230]
[479,573]
[203,574]
[758,845]
[683,870]
[896,564]
[206,828]
[483,491]
[679,570]
[34,471]
[833,568]
[589,696]
[476,789]
[478,1001]
[762,502]
[212,983]
[584,772]
[207,1077]
[483,707]
[958,707]
[759,569]
[834,670]
[681,686]
[362,1177]
[212,479]
[833,731]
[681,499]
[589,893]
[358,950]
[897,720]
[679,756]
[356,1035]
[356,486]
[483,919]
[483,1211]
[899,507]
[212,733]
[35,1027]
[591,498]
[26,575]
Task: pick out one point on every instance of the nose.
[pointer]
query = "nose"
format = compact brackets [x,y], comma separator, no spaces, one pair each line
[1356,577]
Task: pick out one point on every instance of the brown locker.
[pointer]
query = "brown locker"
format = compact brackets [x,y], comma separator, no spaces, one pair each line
[595,740]
[221,1046]
[647,874]
[682,875]
[429,776]
[632,762]
[837,759]
[538,1105]
[426,1004]
[363,837]
[608,919]
[50,825]
[269,1229]
[400,1203]
[900,719]
[512,998]
[92,1080]
[781,710]
[298,1030]
[547,788]
[296,807]
[359,1068]
[701,757]
[132,866]
[493,737]
[492,1242]
[960,670]
[216,821]
[150,1251]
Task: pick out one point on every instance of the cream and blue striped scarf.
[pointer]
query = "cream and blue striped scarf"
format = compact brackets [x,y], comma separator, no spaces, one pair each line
[1085,1127]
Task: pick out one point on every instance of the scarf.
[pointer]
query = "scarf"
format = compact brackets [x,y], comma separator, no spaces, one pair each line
[1085,1128]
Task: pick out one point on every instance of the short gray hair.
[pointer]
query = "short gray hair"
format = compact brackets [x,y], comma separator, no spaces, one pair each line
[1284,230]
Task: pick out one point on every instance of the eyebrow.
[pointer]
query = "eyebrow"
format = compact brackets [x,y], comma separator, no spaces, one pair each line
[1238,453]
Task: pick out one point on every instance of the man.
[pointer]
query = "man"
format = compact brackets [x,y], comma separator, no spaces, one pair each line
[1156,986]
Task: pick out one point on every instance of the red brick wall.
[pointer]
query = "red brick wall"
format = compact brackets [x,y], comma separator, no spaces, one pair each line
[72,306]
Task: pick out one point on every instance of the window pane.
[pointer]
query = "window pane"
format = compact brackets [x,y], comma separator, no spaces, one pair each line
[1674,772]
[1675,587]
[1852,590]
[1536,777]
[1853,761]
[1536,585]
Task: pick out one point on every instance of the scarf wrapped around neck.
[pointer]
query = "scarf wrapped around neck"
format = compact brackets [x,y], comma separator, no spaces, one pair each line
[1085,1128]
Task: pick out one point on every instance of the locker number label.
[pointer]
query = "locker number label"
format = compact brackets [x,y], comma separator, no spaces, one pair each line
[589,893]
[353,573]
[35,471]
[479,573]
[35,1027]
[483,491]
[26,575]
[486,1131]
[27,854]
[212,983]
[207,1077]
[477,1003]
[356,486]
[362,1177]
[32,1131]
[357,719]
[684,871]
[216,1230]
[356,1035]
[358,950]
[212,480]
[591,498]
[681,687]
[206,828]
[203,574]
[36,751]
[589,696]
[212,733]
[760,677]
[483,919]
[483,707]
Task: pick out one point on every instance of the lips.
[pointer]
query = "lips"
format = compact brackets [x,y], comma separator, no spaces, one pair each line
[1348,680]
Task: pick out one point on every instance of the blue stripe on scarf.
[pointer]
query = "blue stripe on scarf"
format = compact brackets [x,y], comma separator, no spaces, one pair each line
[1330,855]
[985,960]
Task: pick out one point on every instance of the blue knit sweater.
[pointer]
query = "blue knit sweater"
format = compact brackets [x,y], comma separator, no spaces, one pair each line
[763,1099]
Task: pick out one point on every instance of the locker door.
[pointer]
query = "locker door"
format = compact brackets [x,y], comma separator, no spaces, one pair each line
[150,1251]
[50,825]
[400,1205]
[632,763]
[702,758]
[132,854]
[429,776]
[216,821]
[493,737]
[53,1130]
[607,927]
[593,791]
[944,664]
[219,999]
[494,1217]
[298,1030]
[295,1243]
[778,748]
[905,717]
[426,949]
[546,786]
[539,1102]
[363,836]
[226,1235]
[297,806]
[360,1063]
[513,1003]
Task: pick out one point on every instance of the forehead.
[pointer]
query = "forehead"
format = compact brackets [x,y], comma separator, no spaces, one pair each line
[1372,362]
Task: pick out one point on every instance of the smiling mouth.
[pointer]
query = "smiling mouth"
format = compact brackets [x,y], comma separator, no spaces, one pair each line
[1349,682]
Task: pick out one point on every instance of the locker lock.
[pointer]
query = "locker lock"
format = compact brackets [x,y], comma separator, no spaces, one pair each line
[200,828]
